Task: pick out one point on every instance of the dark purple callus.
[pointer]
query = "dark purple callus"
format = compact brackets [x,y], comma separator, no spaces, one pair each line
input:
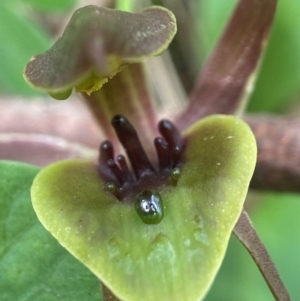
[129,139]
[174,141]
[123,182]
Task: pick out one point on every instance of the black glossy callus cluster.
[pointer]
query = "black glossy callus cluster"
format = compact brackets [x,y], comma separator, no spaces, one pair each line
[124,183]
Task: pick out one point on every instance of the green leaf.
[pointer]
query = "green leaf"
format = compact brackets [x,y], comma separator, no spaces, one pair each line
[33,266]
[97,44]
[175,259]
[20,37]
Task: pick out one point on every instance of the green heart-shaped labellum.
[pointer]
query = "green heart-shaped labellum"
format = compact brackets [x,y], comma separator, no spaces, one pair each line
[175,259]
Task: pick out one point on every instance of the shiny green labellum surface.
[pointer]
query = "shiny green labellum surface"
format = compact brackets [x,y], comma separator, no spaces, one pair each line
[175,259]
[149,206]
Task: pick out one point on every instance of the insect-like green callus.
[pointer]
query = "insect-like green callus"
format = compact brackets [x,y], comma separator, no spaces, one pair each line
[175,259]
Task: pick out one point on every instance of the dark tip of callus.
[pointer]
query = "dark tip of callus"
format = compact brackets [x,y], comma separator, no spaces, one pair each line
[122,183]
[163,153]
[106,151]
[125,169]
[113,189]
[119,120]
[118,172]
[171,134]
[174,140]
[122,163]
[128,137]
[175,175]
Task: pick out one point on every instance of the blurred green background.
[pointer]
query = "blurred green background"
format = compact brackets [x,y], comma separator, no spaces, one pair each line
[27,27]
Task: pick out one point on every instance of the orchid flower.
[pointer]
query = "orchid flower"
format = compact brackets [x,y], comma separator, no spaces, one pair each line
[159,227]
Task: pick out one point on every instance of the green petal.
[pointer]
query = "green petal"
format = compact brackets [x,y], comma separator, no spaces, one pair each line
[175,259]
[97,44]
[33,266]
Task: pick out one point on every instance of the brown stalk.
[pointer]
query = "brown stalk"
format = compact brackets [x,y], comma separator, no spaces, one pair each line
[107,294]
[247,235]
[278,139]
[41,149]
[226,80]
[278,161]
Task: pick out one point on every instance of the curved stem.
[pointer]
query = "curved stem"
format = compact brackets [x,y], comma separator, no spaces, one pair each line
[107,294]
[226,81]
[247,235]
[278,160]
